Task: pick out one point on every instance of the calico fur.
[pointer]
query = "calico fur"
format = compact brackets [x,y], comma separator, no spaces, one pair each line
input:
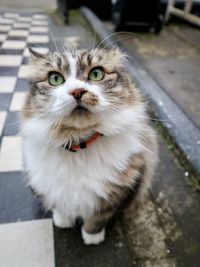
[93,183]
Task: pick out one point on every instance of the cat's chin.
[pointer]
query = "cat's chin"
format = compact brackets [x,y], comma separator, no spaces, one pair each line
[80,107]
[80,110]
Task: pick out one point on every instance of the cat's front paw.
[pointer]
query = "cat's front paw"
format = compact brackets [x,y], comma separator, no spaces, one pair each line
[62,222]
[93,239]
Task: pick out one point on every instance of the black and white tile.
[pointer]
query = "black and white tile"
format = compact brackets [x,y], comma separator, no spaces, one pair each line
[26,230]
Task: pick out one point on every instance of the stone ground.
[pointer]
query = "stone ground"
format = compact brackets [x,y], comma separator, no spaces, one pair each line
[163,233]
[173,59]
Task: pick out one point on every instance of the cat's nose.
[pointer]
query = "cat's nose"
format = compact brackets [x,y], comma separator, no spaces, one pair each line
[77,93]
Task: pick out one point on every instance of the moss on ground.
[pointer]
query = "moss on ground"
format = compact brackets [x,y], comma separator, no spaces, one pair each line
[193,178]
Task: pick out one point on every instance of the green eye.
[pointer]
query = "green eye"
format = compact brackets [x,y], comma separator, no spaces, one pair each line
[56,78]
[96,74]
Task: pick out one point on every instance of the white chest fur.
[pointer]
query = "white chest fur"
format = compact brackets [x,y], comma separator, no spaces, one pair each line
[73,181]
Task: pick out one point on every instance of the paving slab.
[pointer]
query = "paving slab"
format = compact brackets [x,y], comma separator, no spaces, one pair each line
[27,244]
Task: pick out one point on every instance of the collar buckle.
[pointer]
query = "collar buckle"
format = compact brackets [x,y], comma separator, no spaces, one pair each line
[82,145]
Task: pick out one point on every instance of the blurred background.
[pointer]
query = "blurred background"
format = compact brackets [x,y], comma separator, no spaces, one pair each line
[162,41]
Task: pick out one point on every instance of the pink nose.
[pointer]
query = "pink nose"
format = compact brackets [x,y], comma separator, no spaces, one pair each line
[77,93]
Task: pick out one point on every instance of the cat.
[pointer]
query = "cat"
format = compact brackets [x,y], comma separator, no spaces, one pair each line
[87,145]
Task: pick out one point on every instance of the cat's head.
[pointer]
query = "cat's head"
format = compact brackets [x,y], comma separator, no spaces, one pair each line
[80,88]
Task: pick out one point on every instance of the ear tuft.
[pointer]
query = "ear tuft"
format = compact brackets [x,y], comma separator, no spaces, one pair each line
[35,54]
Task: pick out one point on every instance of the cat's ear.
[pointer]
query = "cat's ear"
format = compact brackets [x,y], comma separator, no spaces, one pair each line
[35,55]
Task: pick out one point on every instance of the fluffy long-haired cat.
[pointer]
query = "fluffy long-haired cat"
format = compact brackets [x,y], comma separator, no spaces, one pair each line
[87,145]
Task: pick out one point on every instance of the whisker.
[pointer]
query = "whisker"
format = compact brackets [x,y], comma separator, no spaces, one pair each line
[54,42]
[94,41]
[114,41]
[35,44]
[111,35]
[145,148]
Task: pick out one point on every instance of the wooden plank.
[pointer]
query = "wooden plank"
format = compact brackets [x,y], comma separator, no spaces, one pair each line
[181,14]
[188,6]
[167,13]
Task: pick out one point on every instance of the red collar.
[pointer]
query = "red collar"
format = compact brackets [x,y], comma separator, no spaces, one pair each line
[82,145]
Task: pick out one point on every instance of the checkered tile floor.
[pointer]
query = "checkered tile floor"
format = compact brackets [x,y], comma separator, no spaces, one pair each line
[26,231]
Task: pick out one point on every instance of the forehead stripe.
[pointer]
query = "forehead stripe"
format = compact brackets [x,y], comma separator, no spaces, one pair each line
[72,66]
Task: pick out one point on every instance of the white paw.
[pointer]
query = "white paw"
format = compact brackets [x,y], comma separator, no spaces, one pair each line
[61,221]
[93,239]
